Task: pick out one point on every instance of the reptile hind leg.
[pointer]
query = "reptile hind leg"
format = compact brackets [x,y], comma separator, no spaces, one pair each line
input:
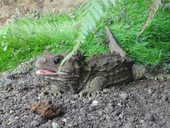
[98,83]
[55,90]
[138,71]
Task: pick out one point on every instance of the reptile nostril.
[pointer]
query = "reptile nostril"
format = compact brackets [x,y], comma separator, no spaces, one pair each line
[43,60]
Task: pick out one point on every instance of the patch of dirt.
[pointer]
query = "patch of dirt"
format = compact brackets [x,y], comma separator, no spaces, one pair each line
[11,9]
[140,104]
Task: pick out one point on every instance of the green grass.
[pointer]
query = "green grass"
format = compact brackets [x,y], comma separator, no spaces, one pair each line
[153,46]
[28,37]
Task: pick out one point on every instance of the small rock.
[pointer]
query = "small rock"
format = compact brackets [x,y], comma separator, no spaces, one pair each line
[106,90]
[112,124]
[94,103]
[149,91]
[149,117]
[121,116]
[16,117]
[119,104]
[123,95]
[76,96]
[128,125]
[55,125]
[168,123]
[34,124]
[11,111]
[113,89]
[70,125]
[64,120]
[141,121]
[8,123]
[150,123]
[165,98]
[145,125]
[72,102]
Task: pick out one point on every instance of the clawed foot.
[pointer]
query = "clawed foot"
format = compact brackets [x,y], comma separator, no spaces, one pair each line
[85,93]
[162,77]
[55,93]
[52,92]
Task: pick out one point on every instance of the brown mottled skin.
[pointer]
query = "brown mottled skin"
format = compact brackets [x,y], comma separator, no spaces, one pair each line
[78,75]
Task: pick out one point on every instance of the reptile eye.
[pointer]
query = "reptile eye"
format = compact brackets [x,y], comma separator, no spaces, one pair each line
[56,61]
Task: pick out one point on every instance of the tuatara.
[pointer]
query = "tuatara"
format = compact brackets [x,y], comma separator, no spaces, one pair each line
[78,75]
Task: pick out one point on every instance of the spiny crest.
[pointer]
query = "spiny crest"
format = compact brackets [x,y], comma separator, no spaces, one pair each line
[101,56]
[79,56]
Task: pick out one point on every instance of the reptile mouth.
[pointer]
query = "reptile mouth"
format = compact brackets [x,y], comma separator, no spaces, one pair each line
[45,71]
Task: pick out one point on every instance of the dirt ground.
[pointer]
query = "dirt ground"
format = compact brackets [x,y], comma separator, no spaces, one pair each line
[11,9]
[140,104]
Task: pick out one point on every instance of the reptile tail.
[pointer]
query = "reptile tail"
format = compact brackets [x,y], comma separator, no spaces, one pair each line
[113,45]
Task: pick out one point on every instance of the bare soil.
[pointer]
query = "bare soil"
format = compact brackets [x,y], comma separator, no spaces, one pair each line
[140,104]
[10,9]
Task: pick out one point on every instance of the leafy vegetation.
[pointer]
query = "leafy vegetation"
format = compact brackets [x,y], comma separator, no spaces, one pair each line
[28,37]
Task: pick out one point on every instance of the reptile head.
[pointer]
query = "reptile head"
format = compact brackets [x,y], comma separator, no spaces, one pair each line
[67,79]
[48,65]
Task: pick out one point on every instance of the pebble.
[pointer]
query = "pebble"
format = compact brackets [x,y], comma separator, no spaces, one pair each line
[16,117]
[123,95]
[119,104]
[70,125]
[94,103]
[55,125]
[34,123]
[64,120]
[8,123]
[113,89]
[165,98]
[76,96]
[145,125]
[150,123]
[149,117]
[121,116]
[106,90]
[11,111]
[168,123]
[128,125]
[111,124]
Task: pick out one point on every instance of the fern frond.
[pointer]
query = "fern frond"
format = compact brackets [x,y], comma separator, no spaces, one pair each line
[94,14]
[153,10]
[106,2]
[113,2]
